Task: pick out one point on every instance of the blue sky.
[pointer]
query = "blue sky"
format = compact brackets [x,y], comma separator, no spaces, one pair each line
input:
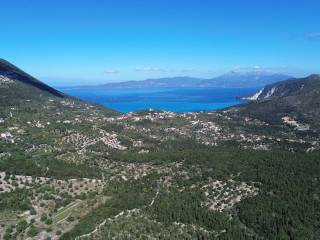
[94,41]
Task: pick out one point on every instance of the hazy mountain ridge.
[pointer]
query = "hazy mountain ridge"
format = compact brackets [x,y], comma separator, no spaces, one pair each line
[157,83]
[232,80]
[244,79]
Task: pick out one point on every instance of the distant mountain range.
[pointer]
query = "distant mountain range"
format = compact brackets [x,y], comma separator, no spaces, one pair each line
[157,83]
[234,79]
[244,79]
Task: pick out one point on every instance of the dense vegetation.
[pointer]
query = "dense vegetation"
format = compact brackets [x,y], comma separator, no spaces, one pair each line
[287,206]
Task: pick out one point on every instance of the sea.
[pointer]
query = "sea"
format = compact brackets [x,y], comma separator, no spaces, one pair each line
[167,99]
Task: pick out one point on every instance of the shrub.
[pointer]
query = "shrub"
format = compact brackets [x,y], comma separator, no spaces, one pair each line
[48,221]
[44,217]
[32,232]
[70,219]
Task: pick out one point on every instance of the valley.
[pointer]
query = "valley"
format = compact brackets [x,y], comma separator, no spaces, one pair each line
[70,169]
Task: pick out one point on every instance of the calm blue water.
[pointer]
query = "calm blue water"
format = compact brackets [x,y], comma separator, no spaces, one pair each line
[169,99]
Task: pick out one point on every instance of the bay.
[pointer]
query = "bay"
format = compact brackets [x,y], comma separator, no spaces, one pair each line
[166,99]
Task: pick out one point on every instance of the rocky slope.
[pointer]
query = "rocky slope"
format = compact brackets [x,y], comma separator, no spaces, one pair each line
[295,98]
[287,87]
